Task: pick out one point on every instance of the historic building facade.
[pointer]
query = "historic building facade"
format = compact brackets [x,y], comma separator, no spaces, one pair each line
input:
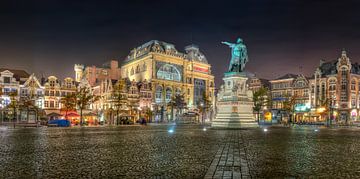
[255,83]
[169,72]
[21,96]
[336,84]
[281,89]
[294,89]
[332,92]
[95,75]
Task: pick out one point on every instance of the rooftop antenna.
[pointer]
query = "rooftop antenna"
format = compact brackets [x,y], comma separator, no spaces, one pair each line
[191,38]
[300,69]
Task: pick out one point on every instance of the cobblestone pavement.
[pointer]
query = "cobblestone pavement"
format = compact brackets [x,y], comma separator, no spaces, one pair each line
[187,152]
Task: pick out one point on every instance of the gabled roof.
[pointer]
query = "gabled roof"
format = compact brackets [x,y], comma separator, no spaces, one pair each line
[151,46]
[287,76]
[192,52]
[17,73]
[265,82]
[32,78]
[328,68]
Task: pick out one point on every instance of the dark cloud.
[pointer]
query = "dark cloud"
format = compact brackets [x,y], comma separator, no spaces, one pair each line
[49,36]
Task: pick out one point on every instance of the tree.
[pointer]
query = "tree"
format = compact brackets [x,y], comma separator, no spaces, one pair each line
[260,100]
[149,114]
[26,103]
[68,103]
[1,93]
[83,99]
[177,102]
[206,104]
[289,105]
[325,107]
[14,103]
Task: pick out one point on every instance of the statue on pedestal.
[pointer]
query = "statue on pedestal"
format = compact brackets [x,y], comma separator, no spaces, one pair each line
[234,102]
[239,56]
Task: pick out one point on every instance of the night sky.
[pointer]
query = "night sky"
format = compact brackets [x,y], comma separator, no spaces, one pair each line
[48,37]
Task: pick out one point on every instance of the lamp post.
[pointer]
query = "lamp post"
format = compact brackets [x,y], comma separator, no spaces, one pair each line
[202,112]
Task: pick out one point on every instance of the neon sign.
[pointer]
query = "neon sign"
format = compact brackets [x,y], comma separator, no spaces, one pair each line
[200,69]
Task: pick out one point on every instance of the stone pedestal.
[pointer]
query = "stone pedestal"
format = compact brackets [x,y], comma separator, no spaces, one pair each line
[234,103]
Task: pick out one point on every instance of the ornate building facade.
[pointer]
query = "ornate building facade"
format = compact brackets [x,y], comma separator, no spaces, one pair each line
[291,87]
[95,75]
[337,84]
[169,72]
[333,92]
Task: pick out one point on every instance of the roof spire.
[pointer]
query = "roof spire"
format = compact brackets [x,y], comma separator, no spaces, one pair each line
[343,53]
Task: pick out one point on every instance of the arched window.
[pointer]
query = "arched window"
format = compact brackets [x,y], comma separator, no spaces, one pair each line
[137,69]
[312,89]
[344,84]
[132,71]
[144,67]
[353,83]
[168,95]
[169,72]
[332,85]
[133,90]
[158,94]
[323,90]
[178,91]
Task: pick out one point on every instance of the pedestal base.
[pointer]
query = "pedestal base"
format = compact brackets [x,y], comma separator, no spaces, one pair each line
[234,105]
[234,114]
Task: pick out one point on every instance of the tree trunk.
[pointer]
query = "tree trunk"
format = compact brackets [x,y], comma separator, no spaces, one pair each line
[66,112]
[81,116]
[117,117]
[27,115]
[172,113]
[15,117]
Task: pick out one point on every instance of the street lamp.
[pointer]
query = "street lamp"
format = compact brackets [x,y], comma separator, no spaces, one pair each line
[202,112]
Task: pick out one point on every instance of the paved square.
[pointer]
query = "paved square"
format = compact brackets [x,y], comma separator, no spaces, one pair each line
[188,152]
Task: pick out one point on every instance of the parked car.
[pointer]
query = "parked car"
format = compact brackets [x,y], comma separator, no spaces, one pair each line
[59,123]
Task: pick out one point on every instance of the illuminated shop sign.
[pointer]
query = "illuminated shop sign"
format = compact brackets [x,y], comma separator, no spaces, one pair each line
[201,69]
[302,107]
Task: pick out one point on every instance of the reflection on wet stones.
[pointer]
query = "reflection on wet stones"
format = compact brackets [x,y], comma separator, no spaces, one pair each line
[189,152]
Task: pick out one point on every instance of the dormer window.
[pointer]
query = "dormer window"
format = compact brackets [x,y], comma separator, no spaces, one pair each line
[7,79]
[52,83]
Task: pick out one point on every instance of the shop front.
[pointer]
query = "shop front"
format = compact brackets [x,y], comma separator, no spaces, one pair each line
[302,113]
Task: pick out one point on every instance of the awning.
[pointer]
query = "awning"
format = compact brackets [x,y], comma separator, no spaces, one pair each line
[53,114]
[279,99]
[90,114]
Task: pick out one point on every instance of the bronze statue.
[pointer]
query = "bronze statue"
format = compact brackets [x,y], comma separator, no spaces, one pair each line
[239,55]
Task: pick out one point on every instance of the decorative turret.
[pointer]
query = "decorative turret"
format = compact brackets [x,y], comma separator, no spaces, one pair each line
[343,53]
[193,53]
[79,69]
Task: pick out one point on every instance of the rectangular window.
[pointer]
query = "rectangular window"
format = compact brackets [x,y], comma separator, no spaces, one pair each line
[6,79]
[52,104]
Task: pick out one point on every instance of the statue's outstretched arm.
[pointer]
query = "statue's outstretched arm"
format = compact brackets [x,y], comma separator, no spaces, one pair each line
[227,43]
